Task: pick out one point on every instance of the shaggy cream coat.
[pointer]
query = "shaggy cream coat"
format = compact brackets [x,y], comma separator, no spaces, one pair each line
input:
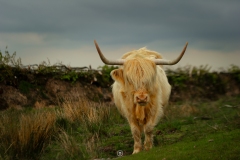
[140,77]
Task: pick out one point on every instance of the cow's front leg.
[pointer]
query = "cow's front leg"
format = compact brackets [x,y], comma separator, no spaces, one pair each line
[148,131]
[136,132]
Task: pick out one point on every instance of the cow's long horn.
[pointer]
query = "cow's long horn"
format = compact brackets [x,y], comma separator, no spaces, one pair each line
[168,62]
[105,60]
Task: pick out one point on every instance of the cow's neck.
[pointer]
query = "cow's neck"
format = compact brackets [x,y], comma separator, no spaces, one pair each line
[141,113]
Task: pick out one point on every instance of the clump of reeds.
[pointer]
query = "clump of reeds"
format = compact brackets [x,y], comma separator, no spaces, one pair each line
[26,135]
[88,119]
[74,128]
[80,109]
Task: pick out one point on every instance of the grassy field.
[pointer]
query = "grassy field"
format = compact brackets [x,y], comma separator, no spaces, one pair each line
[85,130]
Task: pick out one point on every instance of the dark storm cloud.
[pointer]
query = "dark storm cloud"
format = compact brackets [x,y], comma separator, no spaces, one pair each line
[215,23]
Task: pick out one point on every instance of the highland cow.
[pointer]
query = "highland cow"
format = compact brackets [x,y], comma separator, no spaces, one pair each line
[140,91]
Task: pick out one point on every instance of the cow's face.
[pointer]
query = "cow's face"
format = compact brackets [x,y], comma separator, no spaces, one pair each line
[137,79]
[141,97]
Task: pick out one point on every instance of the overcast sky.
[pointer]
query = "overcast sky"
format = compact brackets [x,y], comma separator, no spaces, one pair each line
[63,31]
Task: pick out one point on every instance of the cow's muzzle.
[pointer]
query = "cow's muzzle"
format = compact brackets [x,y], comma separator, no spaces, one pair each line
[142,99]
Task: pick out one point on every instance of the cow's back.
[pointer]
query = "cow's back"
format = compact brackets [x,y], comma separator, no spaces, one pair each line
[165,87]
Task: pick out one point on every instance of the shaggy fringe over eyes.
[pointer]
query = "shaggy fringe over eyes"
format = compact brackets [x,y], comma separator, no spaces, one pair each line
[139,72]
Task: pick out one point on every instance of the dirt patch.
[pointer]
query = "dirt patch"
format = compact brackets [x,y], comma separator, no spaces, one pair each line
[11,97]
[53,92]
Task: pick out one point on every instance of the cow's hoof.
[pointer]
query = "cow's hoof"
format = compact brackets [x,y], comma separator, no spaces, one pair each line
[147,147]
[136,151]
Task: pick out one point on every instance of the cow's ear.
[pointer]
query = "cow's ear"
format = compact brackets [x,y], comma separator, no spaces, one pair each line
[117,75]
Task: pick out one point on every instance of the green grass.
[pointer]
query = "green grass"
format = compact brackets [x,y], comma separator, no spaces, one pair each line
[220,145]
[211,132]
[82,130]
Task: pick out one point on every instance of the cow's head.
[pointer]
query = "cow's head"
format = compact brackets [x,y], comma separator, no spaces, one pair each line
[137,76]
